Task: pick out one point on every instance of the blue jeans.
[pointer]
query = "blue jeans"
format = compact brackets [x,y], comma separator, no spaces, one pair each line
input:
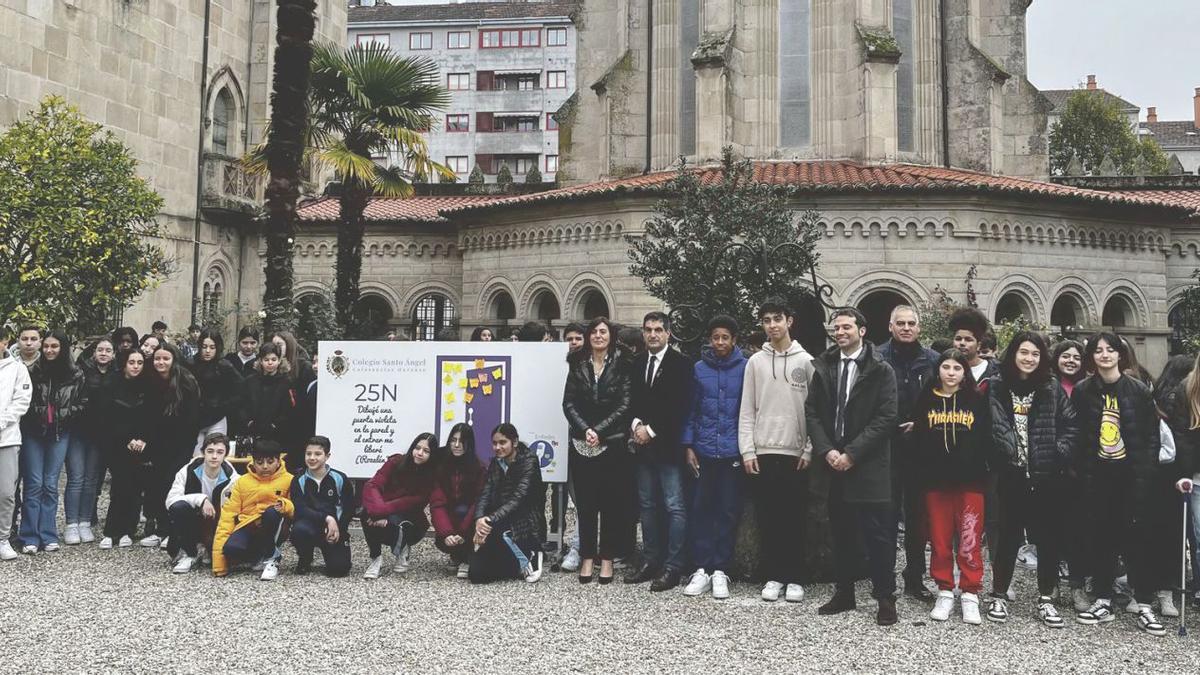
[41,462]
[663,514]
[716,509]
[83,478]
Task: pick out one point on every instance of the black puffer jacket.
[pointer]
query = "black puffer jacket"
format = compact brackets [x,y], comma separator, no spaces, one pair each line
[220,389]
[515,499]
[97,384]
[270,406]
[1053,429]
[66,391]
[1139,429]
[603,407]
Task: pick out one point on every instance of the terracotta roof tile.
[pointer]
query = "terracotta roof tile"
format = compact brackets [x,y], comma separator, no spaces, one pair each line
[1183,198]
[410,209]
[838,176]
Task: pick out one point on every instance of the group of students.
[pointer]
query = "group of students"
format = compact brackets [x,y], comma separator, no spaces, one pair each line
[138,410]
[1067,448]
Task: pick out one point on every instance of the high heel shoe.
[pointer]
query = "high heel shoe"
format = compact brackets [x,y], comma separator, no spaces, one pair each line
[586,578]
[606,579]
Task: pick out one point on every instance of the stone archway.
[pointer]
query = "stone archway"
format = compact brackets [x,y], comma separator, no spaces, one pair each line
[877,306]
[1119,312]
[1068,312]
[1014,305]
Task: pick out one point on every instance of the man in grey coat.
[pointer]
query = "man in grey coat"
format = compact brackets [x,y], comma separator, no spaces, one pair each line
[851,411]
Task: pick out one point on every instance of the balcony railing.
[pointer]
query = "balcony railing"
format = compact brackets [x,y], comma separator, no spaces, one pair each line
[229,188]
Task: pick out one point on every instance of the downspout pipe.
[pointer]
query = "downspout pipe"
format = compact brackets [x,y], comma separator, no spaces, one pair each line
[195,315]
[649,83]
[945,85]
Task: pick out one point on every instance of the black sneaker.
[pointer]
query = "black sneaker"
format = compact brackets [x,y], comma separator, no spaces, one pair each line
[1099,612]
[1047,613]
[998,609]
[1149,623]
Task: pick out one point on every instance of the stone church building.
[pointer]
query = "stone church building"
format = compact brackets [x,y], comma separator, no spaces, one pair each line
[909,124]
[916,134]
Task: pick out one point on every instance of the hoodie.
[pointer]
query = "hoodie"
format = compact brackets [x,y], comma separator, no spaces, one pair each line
[773,395]
[15,393]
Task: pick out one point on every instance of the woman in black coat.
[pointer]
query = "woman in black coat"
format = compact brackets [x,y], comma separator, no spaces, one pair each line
[510,516]
[1116,458]
[172,419]
[1033,433]
[220,387]
[596,402]
[270,403]
[124,411]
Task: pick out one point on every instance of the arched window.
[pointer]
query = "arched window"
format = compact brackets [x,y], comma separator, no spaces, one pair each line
[432,314]
[795,73]
[877,307]
[592,304]
[902,30]
[689,39]
[1068,312]
[1118,312]
[1013,306]
[503,307]
[222,115]
[545,307]
[372,315]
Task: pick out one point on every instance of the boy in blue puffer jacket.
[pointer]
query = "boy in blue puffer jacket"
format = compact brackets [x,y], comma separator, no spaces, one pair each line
[710,436]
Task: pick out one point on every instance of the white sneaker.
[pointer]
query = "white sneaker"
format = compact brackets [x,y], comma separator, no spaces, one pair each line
[151,541]
[1027,556]
[373,569]
[1166,604]
[71,534]
[464,571]
[162,545]
[125,542]
[6,550]
[29,549]
[570,562]
[943,605]
[1047,613]
[270,571]
[401,565]
[970,609]
[1079,597]
[794,593]
[51,547]
[85,533]
[699,584]
[533,571]
[1099,612]
[998,610]
[771,591]
[720,585]
[184,565]
[1149,623]
[106,543]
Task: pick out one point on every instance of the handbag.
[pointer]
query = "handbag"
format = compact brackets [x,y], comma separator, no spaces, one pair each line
[586,450]
[1166,450]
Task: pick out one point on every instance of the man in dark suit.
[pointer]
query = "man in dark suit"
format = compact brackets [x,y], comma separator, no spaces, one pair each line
[851,411]
[661,395]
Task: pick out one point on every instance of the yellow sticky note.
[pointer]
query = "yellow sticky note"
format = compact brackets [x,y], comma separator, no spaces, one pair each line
[468,397]
[487,390]
[447,380]
[474,383]
[450,397]
[456,367]
[498,373]
[479,363]
[448,416]
[462,383]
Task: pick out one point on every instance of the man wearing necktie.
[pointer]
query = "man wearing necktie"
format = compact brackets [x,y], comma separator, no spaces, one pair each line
[851,417]
[659,403]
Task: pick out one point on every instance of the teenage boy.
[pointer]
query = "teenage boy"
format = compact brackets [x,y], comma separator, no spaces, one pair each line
[970,328]
[573,336]
[29,345]
[194,502]
[852,417]
[159,329]
[191,346]
[325,503]
[247,352]
[661,395]
[253,518]
[775,448]
[15,394]
[912,364]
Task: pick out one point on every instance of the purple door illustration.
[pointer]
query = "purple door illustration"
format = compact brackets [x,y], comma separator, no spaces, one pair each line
[486,406]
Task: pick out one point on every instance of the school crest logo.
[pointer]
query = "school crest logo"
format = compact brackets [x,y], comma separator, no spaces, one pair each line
[338,364]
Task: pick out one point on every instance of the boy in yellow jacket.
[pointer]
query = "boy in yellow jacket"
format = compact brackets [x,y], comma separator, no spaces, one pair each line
[253,518]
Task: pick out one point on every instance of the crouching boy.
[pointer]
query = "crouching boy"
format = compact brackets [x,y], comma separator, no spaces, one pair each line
[254,518]
[325,502]
[194,502]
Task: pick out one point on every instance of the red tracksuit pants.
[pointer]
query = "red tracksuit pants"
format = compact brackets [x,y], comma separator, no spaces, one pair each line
[952,511]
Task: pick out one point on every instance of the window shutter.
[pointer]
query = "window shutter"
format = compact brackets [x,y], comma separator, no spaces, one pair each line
[483,121]
[484,80]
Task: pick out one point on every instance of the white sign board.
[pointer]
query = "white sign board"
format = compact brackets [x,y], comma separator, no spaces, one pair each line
[375,397]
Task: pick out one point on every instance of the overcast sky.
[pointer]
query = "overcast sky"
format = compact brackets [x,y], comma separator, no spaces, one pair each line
[1142,50]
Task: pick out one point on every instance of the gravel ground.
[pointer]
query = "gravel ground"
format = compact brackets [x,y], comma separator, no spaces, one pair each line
[87,610]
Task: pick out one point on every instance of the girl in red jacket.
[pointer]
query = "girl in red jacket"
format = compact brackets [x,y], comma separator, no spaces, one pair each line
[457,482]
[394,504]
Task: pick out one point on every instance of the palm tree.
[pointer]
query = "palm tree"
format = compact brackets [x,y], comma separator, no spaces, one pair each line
[365,104]
[284,151]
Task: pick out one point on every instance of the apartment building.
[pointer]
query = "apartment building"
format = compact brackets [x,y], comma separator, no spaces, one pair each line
[509,67]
